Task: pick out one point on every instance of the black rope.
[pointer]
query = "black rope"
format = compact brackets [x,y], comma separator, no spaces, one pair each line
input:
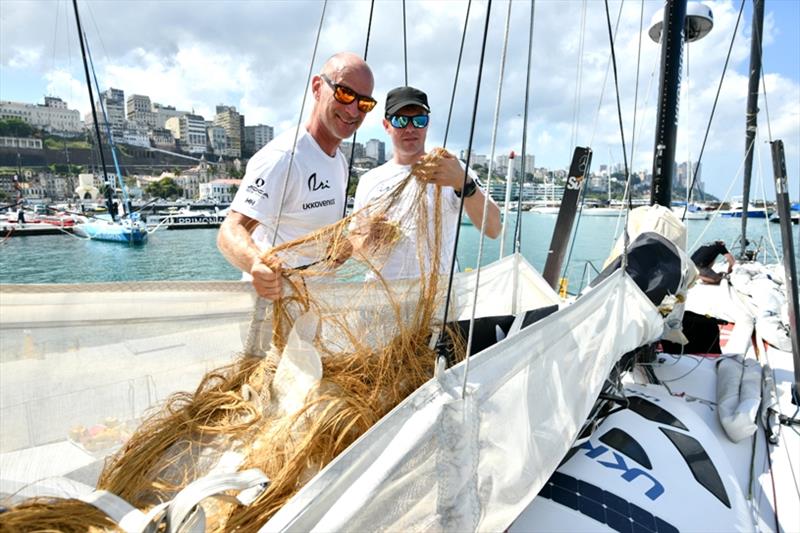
[353,147]
[518,222]
[455,81]
[405,45]
[616,89]
[716,99]
[466,167]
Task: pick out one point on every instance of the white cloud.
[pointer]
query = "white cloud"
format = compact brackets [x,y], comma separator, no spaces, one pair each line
[24,57]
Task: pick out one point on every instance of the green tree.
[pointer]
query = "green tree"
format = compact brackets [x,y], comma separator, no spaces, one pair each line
[164,188]
[15,127]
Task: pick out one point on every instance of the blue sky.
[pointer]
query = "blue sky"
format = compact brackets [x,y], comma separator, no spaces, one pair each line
[255,55]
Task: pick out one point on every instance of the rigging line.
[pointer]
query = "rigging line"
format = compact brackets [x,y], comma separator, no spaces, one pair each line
[716,98]
[605,81]
[518,218]
[405,45]
[725,199]
[487,195]
[635,99]
[297,128]
[91,95]
[108,130]
[688,145]
[55,37]
[626,237]
[355,133]
[576,103]
[253,339]
[99,35]
[455,81]
[764,198]
[582,194]
[466,167]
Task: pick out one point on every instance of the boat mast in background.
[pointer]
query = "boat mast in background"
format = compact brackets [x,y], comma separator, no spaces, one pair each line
[751,123]
[669,88]
[109,187]
[691,21]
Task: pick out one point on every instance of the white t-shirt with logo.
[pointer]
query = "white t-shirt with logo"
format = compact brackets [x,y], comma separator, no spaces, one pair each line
[403,262]
[315,189]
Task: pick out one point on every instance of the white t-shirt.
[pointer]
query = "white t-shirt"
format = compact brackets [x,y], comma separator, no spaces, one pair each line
[315,189]
[403,262]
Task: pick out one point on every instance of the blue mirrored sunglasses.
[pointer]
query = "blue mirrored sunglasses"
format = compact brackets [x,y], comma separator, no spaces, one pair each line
[401,121]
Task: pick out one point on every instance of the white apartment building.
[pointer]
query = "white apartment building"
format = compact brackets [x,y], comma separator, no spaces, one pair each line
[135,135]
[502,163]
[190,130]
[53,116]
[220,191]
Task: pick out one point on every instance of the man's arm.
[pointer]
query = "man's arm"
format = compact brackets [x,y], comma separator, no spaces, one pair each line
[235,241]
[450,173]
[731,261]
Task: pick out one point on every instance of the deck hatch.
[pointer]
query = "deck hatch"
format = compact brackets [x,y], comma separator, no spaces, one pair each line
[700,464]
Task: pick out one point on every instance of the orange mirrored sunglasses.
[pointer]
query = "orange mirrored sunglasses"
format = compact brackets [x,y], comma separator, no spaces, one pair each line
[345,95]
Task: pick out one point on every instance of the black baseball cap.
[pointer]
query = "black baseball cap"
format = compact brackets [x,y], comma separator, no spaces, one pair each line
[400,97]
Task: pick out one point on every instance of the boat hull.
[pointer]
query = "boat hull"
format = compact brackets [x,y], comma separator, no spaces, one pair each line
[112,233]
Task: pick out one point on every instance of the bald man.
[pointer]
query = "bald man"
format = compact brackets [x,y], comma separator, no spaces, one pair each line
[316,185]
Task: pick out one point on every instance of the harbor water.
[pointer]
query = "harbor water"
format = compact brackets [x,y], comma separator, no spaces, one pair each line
[193,254]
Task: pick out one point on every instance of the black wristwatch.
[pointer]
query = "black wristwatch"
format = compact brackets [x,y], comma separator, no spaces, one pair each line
[469,189]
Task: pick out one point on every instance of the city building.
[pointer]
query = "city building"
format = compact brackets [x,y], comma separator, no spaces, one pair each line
[220,191]
[233,123]
[114,102]
[53,116]
[164,113]
[346,148]
[190,179]
[255,137]
[217,138]
[162,138]
[190,130]
[135,134]
[376,149]
[21,142]
[140,111]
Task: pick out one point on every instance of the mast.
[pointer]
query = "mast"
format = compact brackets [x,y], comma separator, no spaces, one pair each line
[789,264]
[669,89]
[751,122]
[109,201]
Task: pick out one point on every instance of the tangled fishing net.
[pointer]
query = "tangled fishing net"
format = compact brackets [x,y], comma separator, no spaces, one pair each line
[344,352]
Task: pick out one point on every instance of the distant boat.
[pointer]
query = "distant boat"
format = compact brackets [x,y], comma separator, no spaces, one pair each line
[125,231]
[737,209]
[187,219]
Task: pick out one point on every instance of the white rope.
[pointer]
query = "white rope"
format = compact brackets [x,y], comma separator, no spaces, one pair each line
[576,110]
[254,337]
[486,197]
[764,198]
[725,199]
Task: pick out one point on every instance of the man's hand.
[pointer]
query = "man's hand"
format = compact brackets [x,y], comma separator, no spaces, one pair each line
[267,281]
[443,169]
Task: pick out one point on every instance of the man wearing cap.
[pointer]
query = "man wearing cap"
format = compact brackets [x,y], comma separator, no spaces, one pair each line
[704,258]
[406,122]
[292,189]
